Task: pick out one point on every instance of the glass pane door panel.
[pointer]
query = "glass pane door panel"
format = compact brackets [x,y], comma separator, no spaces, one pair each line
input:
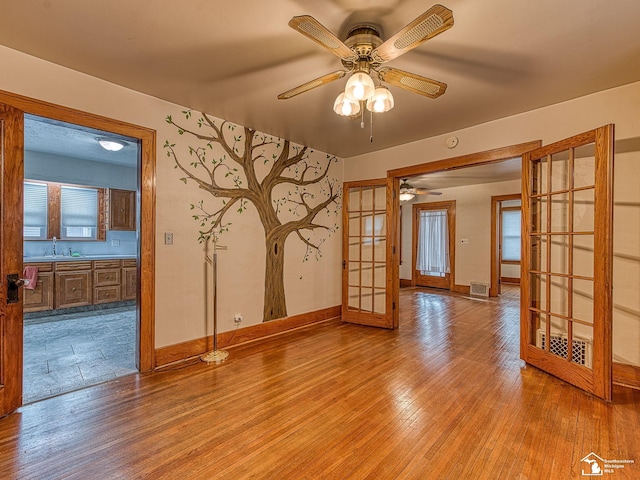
[583,255]
[354,224]
[559,296]
[354,273]
[539,176]
[380,250]
[558,338]
[539,215]
[380,225]
[367,275]
[380,199]
[560,212]
[380,275]
[354,298]
[539,325]
[560,254]
[560,171]
[584,171]
[582,300]
[367,199]
[379,301]
[539,253]
[366,300]
[582,348]
[354,249]
[539,291]
[354,200]
[366,250]
[583,210]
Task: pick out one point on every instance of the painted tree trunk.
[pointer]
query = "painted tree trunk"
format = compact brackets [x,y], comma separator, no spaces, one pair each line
[275,305]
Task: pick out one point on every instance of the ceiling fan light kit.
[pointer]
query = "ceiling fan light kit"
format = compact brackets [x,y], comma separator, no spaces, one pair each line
[362,54]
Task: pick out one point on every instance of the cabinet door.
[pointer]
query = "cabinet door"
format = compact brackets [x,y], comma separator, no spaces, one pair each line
[129,283]
[41,298]
[122,209]
[73,289]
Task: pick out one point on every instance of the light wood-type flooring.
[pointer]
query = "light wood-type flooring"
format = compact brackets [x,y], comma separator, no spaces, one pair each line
[443,397]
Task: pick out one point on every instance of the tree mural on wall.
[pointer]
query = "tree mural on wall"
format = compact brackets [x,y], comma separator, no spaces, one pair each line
[291,192]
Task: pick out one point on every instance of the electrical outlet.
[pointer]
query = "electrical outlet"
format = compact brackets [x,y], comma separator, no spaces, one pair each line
[115,242]
[237,318]
[168,238]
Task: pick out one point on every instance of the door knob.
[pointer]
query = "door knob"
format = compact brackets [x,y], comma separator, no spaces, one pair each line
[14,282]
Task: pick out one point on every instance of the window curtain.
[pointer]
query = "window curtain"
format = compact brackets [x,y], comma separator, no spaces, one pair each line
[433,243]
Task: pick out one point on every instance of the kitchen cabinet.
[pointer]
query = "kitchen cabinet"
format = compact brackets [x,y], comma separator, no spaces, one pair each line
[41,298]
[72,284]
[129,279]
[122,209]
[106,281]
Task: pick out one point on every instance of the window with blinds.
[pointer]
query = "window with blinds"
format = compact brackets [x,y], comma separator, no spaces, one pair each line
[35,211]
[78,213]
[511,235]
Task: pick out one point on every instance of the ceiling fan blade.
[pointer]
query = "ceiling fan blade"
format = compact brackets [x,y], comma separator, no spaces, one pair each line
[431,23]
[412,82]
[313,29]
[420,191]
[318,82]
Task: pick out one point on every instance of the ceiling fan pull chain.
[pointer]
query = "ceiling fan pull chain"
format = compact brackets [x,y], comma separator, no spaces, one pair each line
[362,118]
[371,124]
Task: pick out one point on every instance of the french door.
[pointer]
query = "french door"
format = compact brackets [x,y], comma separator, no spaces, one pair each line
[11,159]
[367,254]
[566,279]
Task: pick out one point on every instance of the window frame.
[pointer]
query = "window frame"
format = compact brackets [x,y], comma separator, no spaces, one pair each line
[54,212]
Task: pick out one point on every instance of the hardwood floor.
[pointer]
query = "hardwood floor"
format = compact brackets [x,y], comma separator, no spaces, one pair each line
[443,397]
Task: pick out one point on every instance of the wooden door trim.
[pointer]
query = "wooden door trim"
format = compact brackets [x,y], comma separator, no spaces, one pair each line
[494,289]
[481,158]
[145,303]
[450,207]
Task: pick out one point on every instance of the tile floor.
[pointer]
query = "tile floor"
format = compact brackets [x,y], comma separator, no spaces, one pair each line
[67,352]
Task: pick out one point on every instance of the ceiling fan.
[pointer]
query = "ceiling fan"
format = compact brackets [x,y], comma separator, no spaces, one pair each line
[364,53]
[408,191]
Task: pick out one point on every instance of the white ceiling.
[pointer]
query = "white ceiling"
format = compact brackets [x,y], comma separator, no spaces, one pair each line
[231,59]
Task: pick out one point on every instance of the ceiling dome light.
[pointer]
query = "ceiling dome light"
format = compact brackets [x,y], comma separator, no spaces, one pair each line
[407,192]
[381,101]
[345,106]
[359,87]
[111,145]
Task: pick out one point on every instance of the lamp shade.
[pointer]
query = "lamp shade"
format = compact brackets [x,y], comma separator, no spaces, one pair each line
[345,106]
[405,196]
[359,86]
[381,100]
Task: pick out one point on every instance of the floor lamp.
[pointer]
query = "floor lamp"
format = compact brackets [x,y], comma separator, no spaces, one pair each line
[215,356]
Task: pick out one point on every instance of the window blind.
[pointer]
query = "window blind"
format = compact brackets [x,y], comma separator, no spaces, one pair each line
[35,211]
[78,212]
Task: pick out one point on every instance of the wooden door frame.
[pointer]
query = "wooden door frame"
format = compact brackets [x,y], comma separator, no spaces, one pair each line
[145,302]
[494,289]
[450,207]
[470,160]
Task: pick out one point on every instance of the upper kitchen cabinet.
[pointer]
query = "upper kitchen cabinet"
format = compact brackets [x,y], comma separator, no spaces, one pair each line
[122,209]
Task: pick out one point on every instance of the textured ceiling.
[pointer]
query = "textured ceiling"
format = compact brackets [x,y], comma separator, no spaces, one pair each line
[232,59]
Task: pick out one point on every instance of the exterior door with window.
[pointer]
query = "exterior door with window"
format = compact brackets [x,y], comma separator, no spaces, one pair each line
[11,157]
[366,254]
[433,244]
[566,283]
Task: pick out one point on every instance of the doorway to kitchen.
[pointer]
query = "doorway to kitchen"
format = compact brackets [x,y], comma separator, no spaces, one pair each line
[81,249]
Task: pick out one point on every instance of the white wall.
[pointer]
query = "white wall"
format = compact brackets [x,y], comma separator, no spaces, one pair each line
[180,285]
[619,106]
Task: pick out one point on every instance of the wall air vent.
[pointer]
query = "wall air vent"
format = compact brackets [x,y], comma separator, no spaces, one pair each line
[479,289]
[580,351]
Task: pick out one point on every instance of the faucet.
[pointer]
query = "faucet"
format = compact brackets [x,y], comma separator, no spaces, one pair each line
[54,247]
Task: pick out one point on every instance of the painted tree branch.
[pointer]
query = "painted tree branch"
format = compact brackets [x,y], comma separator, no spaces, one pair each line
[227,159]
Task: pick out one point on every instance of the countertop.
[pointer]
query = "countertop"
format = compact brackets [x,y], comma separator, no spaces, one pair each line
[67,258]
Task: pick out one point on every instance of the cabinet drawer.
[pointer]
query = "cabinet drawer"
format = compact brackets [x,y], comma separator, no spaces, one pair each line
[99,264]
[72,266]
[129,262]
[42,266]
[106,277]
[106,294]
[41,298]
